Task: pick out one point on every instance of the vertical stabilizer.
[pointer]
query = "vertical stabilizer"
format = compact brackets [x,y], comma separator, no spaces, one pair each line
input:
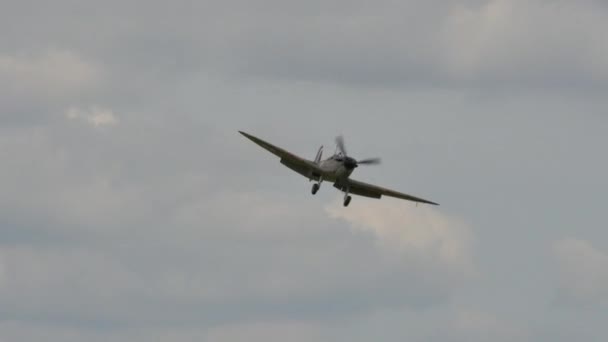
[319,154]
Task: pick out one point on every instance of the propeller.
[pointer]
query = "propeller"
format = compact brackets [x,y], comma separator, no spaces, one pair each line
[351,162]
[369,161]
[340,144]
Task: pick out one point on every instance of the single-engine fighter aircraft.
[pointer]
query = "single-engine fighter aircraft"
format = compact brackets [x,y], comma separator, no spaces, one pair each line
[335,169]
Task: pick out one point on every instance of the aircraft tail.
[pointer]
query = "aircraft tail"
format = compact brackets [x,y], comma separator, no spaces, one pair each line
[319,154]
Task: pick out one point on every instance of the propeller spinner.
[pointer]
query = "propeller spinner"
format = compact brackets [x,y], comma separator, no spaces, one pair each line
[352,163]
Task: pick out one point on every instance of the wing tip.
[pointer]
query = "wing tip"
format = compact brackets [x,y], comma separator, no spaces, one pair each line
[428,202]
[247,135]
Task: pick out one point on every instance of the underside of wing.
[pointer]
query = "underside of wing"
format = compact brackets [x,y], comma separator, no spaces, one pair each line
[302,166]
[373,191]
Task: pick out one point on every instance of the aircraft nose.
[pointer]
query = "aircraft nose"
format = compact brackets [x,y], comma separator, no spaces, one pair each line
[350,163]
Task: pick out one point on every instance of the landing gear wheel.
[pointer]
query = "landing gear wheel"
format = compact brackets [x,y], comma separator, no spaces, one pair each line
[347,200]
[315,188]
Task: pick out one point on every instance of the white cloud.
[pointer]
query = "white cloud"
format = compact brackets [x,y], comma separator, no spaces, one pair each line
[521,41]
[419,231]
[484,43]
[94,115]
[54,72]
[583,271]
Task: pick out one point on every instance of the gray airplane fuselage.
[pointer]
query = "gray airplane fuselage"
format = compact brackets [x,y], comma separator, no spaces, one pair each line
[334,169]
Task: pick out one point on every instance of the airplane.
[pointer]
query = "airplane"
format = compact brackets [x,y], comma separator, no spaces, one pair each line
[336,169]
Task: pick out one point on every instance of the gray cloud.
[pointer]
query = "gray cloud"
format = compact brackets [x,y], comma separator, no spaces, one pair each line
[504,44]
[118,245]
[132,210]
[484,44]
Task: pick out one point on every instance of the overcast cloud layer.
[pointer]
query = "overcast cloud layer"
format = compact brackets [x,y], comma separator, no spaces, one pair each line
[132,210]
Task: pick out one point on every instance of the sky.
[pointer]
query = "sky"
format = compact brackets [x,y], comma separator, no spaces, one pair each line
[132,210]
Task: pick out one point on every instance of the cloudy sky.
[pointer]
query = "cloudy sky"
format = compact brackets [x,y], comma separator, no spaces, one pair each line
[132,210]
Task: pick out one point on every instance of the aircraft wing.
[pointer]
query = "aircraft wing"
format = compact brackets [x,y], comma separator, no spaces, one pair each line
[369,190]
[302,166]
